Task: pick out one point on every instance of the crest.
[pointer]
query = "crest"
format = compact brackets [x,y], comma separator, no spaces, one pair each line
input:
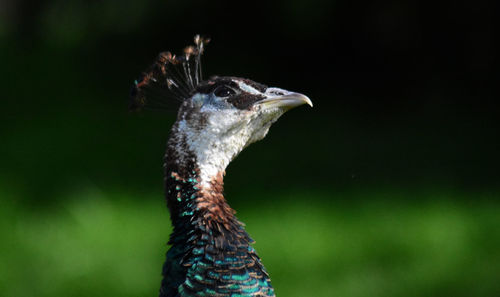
[170,77]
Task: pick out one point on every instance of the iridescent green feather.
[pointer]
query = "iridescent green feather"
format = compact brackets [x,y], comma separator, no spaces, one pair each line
[214,261]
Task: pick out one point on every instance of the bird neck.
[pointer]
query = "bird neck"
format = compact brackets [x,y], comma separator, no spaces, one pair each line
[194,189]
[198,207]
[188,199]
[211,252]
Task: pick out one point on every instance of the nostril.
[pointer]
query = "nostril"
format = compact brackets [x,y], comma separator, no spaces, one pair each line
[276,92]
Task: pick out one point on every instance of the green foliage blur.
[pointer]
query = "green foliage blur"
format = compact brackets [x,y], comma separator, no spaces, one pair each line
[376,244]
[389,186]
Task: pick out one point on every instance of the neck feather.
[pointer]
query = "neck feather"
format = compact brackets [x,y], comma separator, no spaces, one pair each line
[211,252]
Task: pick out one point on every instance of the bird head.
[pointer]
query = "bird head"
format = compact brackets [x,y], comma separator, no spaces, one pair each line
[218,117]
[226,114]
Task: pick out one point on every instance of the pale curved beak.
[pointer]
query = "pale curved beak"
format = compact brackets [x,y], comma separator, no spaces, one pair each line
[287,101]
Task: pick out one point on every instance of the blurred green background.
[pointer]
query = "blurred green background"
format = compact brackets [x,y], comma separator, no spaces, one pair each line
[389,186]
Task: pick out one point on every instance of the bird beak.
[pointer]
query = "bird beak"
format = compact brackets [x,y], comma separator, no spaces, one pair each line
[287,101]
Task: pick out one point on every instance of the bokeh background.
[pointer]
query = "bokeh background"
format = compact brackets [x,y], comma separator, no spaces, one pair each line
[389,186]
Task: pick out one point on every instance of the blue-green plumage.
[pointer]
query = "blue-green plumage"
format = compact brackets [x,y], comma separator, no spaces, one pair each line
[209,256]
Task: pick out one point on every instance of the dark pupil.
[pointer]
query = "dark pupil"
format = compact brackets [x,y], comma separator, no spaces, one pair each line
[223,91]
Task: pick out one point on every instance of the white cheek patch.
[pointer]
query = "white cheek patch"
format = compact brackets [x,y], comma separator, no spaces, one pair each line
[226,132]
[224,136]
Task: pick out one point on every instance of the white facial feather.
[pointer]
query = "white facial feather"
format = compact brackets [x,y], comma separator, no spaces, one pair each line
[224,133]
[246,88]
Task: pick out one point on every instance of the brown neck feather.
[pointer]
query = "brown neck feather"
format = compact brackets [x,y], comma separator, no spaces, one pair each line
[186,198]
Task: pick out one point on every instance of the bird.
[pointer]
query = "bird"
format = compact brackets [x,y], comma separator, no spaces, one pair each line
[210,252]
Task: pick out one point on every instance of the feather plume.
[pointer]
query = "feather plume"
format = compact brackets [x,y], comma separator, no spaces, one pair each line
[170,78]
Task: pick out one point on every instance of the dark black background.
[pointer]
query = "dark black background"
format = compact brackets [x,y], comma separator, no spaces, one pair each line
[405,91]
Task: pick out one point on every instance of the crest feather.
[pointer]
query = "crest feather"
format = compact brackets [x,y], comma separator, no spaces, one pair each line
[170,77]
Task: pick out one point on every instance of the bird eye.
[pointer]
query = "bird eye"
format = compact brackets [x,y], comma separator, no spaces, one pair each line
[224,91]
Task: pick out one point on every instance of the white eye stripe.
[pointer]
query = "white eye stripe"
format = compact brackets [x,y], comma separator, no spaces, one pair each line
[244,87]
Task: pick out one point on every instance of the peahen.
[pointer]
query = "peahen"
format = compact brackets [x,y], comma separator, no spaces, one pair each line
[210,254]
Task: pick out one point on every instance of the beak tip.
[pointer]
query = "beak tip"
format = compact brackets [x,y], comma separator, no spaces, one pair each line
[304,99]
[309,102]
